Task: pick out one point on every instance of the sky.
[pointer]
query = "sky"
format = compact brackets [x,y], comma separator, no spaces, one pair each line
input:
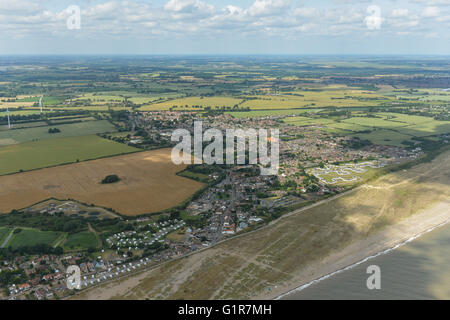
[326,27]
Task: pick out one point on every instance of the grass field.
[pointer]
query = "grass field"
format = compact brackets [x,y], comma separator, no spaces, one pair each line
[263,113]
[426,129]
[384,137]
[374,122]
[404,118]
[15,136]
[100,99]
[3,233]
[306,121]
[51,152]
[80,240]
[193,101]
[194,175]
[290,251]
[322,98]
[148,182]
[97,108]
[30,237]
[24,125]
[386,128]
[346,127]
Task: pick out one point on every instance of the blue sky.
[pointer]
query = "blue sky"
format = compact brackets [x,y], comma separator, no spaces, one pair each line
[225,27]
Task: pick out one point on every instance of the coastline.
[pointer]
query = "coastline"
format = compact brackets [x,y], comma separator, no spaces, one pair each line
[386,240]
[323,251]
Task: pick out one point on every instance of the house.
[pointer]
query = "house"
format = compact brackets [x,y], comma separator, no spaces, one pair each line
[24,287]
[47,277]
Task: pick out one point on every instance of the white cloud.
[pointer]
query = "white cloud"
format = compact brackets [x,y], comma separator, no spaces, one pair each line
[400,12]
[306,12]
[19,6]
[268,7]
[188,6]
[284,19]
[430,12]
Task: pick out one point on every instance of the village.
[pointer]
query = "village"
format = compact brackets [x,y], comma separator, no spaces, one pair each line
[241,200]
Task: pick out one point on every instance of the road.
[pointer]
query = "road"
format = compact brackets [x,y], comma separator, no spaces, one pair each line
[7,239]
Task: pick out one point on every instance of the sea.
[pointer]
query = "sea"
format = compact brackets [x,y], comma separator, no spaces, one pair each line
[418,269]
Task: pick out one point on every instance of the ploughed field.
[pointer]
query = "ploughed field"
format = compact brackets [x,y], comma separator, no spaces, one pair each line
[148,184]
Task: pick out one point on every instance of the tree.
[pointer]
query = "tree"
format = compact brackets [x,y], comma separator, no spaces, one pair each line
[110,179]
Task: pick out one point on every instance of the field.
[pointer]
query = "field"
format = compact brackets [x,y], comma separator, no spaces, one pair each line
[384,137]
[67,130]
[374,122]
[148,183]
[425,95]
[3,233]
[80,240]
[51,152]
[319,98]
[385,128]
[101,99]
[272,113]
[23,125]
[17,112]
[30,237]
[345,128]
[291,251]
[426,129]
[191,102]
[305,121]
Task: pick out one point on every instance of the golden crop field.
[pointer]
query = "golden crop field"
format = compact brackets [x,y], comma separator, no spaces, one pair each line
[12,105]
[148,184]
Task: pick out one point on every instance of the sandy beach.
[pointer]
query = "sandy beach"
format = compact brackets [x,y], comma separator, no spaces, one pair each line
[361,250]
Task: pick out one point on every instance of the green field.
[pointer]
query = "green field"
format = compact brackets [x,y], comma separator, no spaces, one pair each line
[386,128]
[194,175]
[342,127]
[46,101]
[31,237]
[326,97]
[52,152]
[404,118]
[24,125]
[427,129]
[191,102]
[8,137]
[374,122]
[273,113]
[3,233]
[81,240]
[306,121]
[384,137]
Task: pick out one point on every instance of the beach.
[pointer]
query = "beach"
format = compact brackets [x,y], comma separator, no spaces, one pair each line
[388,239]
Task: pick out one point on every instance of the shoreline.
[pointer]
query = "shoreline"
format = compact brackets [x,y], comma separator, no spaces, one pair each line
[382,242]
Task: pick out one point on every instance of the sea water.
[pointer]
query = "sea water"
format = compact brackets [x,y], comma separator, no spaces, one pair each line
[419,269]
